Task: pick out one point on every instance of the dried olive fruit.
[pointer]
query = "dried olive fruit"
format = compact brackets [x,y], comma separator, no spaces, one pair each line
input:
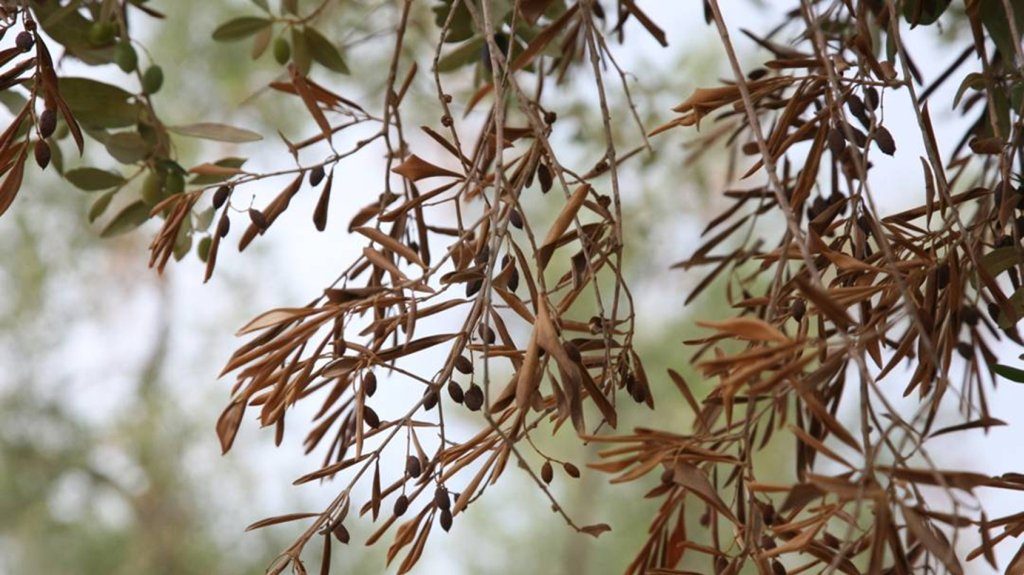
[464,365]
[224,225]
[446,519]
[24,41]
[571,470]
[455,391]
[429,399]
[258,219]
[413,467]
[47,122]
[370,417]
[474,397]
[441,498]
[316,175]
[965,350]
[799,309]
[871,97]
[221,196]
[836,142]
[884,140]
[401,505]
[42,153]
[544,177]
[341,533]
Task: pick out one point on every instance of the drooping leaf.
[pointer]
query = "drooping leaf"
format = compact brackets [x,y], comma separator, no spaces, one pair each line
[924,12]
[227,424]
[93,179]
[415,168]
[240,28]
[747,328]
[126,220]
[12,182]
[1011,373]
[324,52]
[97,104]
[128,147]
[217,171]
[466,53]
[217,132]
[279,519]
[100,205]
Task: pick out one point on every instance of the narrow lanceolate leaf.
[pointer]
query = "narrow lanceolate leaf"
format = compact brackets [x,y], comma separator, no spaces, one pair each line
[536,46]
[528,377]
[392,244]
[532,10]
[467,53]
[12,182]
[280,519]
[375,495]
[984,423]
[100,205]
[694,479]
[325,52]
[1011,373]
[1001,259]
[305,91]
[215,170]
[217,132]
[561,224]
[240,28]
[924,533]
[98,104]
[93,179]
[126,220]
[275,317]
[261,220]
[750,328]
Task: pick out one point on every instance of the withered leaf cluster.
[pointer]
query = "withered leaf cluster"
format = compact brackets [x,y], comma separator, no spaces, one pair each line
[838,307]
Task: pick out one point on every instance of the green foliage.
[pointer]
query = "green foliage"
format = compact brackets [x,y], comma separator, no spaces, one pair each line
[240,28]
[98,104]
[1011,373]
[93,179]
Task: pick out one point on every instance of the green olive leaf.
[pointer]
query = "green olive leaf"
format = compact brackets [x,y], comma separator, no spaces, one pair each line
[240,28]
[126,220]
[217,132]
[93,179]
[324,52]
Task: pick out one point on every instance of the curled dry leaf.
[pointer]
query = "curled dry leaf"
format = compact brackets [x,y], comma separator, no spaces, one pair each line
[415,169]
[747,328]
